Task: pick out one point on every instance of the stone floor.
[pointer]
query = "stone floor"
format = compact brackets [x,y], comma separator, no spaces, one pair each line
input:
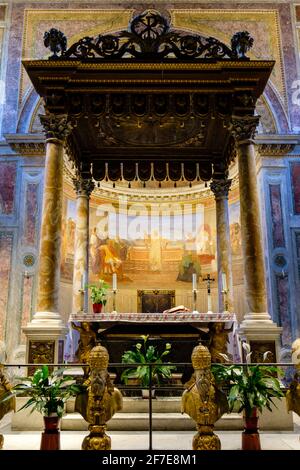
[135,440]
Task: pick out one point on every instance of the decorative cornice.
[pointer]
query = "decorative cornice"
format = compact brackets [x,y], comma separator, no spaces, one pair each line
[243,128]
[27,145]
[220,188]
[83,187]
[56,126]
[275,149]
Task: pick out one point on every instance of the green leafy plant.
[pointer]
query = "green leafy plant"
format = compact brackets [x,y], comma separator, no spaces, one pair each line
[98,292]
[48,392]
[249,386]
[143,354]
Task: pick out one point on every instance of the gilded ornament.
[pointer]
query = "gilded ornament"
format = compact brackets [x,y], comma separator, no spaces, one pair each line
[203,401]
[100,401]
[293,393]
[8,405]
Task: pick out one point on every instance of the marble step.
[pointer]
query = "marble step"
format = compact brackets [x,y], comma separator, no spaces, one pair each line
[141,405]
[140,422]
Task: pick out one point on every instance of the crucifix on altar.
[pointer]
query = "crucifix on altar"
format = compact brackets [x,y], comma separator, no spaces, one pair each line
[208,279]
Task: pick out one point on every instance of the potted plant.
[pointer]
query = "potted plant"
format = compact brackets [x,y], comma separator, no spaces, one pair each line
[141,355]
[47,394]
[98,295]
[250,388]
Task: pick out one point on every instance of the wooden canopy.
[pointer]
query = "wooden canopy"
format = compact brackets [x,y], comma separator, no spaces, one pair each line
[151,102]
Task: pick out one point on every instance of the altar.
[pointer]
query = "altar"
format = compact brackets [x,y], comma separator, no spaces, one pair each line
[119,332]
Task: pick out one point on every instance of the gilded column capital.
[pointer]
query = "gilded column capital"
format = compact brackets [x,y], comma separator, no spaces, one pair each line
[243,128]
[83,187]
[56,126]
[220,188]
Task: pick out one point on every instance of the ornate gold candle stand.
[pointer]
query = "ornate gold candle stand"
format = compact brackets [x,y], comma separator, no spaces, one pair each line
[203,402]
[100,401]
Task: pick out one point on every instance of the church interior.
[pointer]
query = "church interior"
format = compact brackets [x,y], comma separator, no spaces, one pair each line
[150,164]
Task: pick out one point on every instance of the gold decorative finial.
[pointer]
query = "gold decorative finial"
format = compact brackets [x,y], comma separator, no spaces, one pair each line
[201,358]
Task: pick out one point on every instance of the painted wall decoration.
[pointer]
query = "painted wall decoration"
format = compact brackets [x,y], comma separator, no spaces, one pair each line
[276,214]
[8,172]
[31,214]
[297,240]
[27,287]
[262,24]
[74,23]
[6,242]
[283,306]
[295,177]
[149,246]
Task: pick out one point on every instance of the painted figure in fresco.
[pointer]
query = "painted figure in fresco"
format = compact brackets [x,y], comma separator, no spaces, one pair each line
[70,235]
[189,265]
[235,238]
[109,262]
[204,240]
[94,252]
[155,244]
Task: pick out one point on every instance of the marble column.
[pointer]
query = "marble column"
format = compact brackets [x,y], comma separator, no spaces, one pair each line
[83,188]
[257,326]
[220,188]
[46,330]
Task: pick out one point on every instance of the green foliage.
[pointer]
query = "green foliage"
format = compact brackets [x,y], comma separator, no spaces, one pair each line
[143,354]
[48,392]
[249,387]
[98,292]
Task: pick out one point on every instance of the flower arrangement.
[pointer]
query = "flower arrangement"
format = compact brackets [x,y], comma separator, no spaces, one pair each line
[143,354]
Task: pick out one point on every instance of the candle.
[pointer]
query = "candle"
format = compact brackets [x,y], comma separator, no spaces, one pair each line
[224,282]
[194,281]
[209,306]
[114,279]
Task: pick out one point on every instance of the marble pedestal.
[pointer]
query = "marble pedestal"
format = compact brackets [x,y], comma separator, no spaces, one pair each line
[45,337]
[262,336]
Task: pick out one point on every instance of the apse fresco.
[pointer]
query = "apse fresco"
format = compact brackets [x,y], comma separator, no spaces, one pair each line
[146,246]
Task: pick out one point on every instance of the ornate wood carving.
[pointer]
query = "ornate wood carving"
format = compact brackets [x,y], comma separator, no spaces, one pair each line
[149,36]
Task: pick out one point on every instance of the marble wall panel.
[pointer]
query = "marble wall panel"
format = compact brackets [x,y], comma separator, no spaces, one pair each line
[8,172]
[6,243]
[295,177]
[283,307]
[27,290]
[31,214]
[276,214]
[297,241]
